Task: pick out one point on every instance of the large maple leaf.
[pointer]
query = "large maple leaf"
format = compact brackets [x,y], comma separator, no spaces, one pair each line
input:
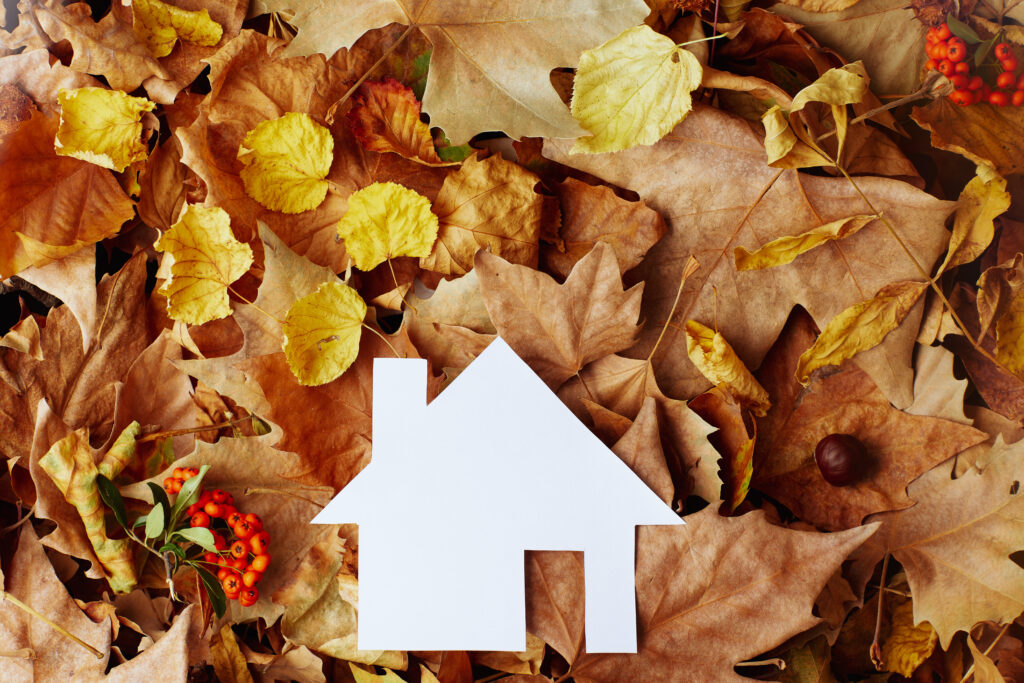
[490,63]
[710,180]
[709,595]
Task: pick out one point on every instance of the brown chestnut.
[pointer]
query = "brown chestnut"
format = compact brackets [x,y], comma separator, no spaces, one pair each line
[841,459]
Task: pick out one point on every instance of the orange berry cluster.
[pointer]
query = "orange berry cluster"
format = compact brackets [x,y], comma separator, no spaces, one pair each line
[948,54]
[243,561]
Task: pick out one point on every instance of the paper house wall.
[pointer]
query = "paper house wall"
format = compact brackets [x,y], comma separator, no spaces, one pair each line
[457,490]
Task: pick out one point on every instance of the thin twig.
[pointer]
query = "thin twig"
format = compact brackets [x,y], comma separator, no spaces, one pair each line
[253,304]
[691,266]
[780,664]
[4,595]
[170,580]
[918,94]
[876,648]
[28,516]
[191,430]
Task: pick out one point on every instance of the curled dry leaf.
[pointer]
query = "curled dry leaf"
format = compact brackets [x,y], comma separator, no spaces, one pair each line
[160,25]
[102,127]
[558,329]
[907,646]
[206,260]
[981,201]
[785,249]
[716,360]
[385,117]
[982,133]
[488,204]
[386,220]
[632,90]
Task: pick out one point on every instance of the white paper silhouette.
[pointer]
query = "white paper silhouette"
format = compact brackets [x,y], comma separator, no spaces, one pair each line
[457,490]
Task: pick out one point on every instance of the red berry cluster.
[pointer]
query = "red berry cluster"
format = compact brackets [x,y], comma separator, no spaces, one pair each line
[243,561]
[948,54]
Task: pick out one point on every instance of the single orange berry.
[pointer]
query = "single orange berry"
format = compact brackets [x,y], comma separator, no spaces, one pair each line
[211,558]
[176,486]
[259,542]
[251,578]
[975,83]
[956,52]
[189,472]
[959,82]
[1006,80]
[254,520]
[260,563]
[178,473]
[219,495]
[213,509]
[961,97]
[232,583]
[1020,82]
[963,68]
[200,519]
[932,35]
[931,65]
[223,573]
[244,530]
[1003,51]
[249,596]
[1017,99]
[233,518]
[947,68]
[943,32]
[169,484]
[239,564]
[1008,64]
[939,50]
[192,509]
[998,99]
[239,549]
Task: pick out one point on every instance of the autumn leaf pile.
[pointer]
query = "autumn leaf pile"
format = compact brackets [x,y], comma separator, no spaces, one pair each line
[719,232]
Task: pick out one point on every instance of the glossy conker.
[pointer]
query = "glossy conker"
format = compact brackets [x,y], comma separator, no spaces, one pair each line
[841,459]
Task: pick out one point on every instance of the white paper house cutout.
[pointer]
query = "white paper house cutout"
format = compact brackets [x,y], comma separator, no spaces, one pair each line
[457,490]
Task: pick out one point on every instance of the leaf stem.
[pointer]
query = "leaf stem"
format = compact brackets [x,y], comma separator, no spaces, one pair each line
[329,118]
[399,287]
[780,664]
[191,430]
[876,648]
[4,595]
[702,40]
[689,269]
[918,94]
[383,339]
[253,304]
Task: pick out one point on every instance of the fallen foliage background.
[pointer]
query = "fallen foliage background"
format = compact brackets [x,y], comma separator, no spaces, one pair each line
[719,231]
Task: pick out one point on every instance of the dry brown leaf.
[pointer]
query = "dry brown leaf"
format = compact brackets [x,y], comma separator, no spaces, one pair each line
[592,214]
[558,329]
[455,302]
[71,280]
[689,607]
[385,117]
[54,205]
[640,448]
[982,133]
[162,186]
[41,76]
[900,446]
[30,578]
[168,659]
[753,204]
[954,589]
[252,83]
[488,204]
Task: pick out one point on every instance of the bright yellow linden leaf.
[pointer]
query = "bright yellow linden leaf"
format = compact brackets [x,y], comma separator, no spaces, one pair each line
[321,333]
[860,327]
[632,90]
[981,201]
[837,87]
[207,258]
[783,147]
[384,220]
[785,249]
[101,126]
[160,25]
[908,646]
[717,361]
[286,160]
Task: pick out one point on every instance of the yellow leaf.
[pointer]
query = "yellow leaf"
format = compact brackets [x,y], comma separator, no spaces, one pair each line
[101,126]
[717,361]
[207,258]
[837,87]
[286,160]
[384,220]
[782,146]
[907,646]
[632,90]
[860,327]
[984,198]
[784,249]
[321,333]
[364,676]
[741,466]
[71,466]
[159,25]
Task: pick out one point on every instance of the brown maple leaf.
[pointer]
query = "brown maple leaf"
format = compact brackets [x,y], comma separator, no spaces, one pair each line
[985,134]
[710,180]
[710,594]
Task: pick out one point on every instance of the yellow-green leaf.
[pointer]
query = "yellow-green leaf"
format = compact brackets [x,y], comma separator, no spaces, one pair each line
[984,198]
[321,333]
[783,147]
[908,646]
[860,327]
[207,258]
[286,161]
[384,220]
[716,360]
[785,249]
[837,87]
[101,126]
[632,90]
[159,25]
[70,464]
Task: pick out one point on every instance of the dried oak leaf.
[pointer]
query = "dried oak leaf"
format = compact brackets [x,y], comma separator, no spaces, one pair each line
[955,543]
[490,63]
[488,204]
[53,205]
[558,329]
[251,82]
[243,464]
[982,133]
[901,446]
[710,594]
[752,204]
[593,213]
[30,578]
